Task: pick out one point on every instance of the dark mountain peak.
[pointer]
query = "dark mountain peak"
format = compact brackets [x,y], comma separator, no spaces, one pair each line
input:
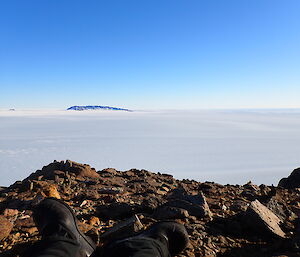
[96,107]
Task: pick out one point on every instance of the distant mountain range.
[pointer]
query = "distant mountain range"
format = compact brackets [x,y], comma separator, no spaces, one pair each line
[96,107]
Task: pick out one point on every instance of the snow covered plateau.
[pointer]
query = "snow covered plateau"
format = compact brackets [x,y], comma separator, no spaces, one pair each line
[224,146]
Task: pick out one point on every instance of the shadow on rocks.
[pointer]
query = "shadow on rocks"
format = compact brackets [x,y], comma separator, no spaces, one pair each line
[229,226]
[235,226]
[252,243]
[278,248]
[16,204]
[249,250]
[16,250]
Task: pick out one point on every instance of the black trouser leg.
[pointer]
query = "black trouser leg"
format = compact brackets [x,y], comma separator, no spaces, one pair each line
[54,247]
[136,247]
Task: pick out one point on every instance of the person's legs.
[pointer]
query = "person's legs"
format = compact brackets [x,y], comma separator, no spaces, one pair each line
[54,247]
[61,236]
[136,247]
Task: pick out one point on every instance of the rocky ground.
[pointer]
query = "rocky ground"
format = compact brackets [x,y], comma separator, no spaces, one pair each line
[222,220]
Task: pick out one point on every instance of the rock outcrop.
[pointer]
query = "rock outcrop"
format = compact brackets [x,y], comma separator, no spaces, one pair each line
[222,220]
[292,181]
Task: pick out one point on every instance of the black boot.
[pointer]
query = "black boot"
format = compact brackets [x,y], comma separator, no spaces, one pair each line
[170,233]
[54,218]
[162,239]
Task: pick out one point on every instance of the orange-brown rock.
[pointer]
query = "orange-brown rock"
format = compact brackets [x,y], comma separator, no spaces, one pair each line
[84,227]
[94,221]
[51,191]
[24,222]
[10,212]
[30,230]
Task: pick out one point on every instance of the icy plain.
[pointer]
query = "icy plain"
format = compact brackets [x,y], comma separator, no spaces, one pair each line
[224,146]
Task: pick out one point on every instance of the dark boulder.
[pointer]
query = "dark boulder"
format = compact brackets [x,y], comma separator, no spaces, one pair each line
[292,181]
[196,205]
[168,212]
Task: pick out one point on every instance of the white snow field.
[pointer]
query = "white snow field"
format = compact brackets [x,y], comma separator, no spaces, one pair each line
[224,146]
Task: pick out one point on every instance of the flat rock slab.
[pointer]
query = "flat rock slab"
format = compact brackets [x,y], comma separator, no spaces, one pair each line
[263,220]
[123,229]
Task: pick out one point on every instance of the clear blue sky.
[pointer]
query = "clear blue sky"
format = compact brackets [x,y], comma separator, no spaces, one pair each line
[150,53]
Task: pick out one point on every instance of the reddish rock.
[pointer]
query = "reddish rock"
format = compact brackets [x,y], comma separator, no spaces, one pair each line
[116,181]
[10,212]
[30,230]
[89,194]
[81,170]
[5,227]
[84,227]
[109,172]
[65,169]
[24,222]
[130,174]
